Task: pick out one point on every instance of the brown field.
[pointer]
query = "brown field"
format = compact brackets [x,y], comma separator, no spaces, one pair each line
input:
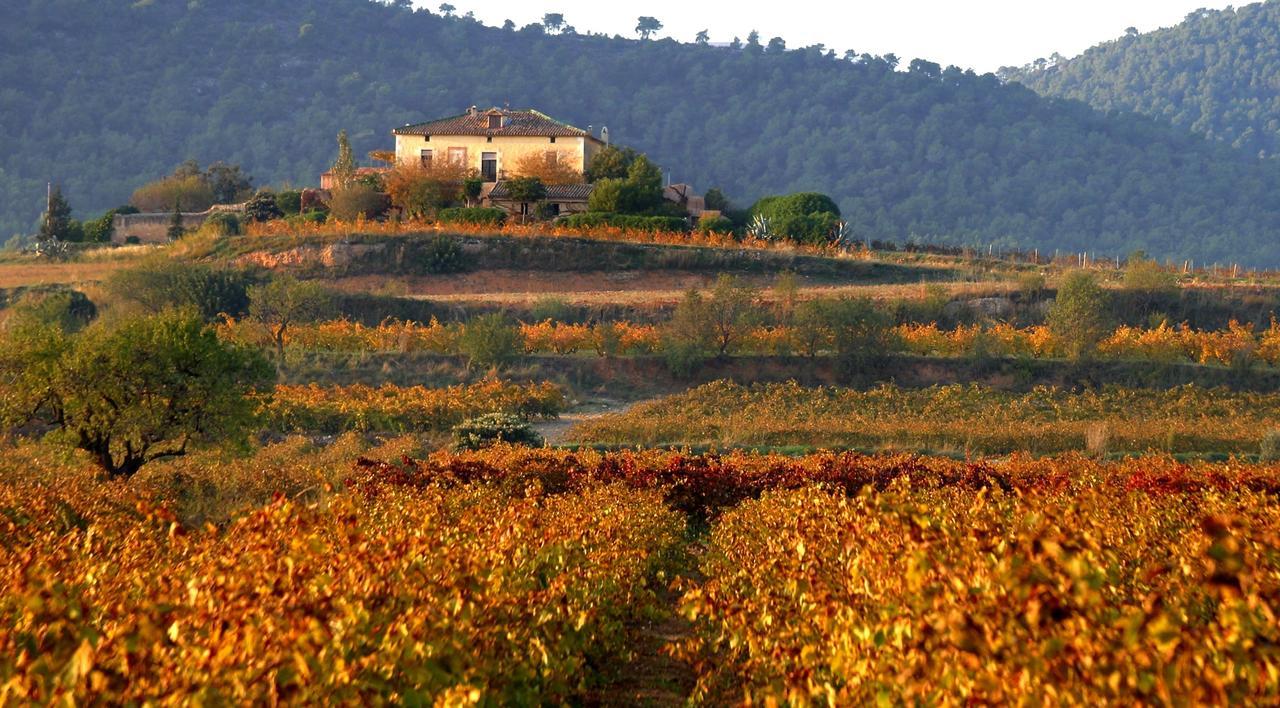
[15,275]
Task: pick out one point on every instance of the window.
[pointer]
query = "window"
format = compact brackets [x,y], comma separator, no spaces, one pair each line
[495,121]
[425,156]
[553,140]
[489,139]
[489,166]
[458,156]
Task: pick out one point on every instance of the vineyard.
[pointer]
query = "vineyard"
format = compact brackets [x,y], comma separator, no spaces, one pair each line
[517,575]
[969,418]
[393,409]
[1161,344]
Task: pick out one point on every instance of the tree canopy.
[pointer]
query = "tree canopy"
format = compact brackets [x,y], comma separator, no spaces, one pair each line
[133,391]
[1215,73]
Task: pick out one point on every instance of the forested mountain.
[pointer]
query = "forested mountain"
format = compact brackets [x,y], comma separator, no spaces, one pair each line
[102,95]
[1217,73]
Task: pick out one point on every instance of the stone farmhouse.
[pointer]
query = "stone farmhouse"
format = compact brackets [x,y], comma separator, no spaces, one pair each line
[493,142]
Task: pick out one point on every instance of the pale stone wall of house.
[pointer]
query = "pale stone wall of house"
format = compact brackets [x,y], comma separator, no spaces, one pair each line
[510,149]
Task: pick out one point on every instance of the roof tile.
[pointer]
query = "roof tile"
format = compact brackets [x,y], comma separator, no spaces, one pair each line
[525,123]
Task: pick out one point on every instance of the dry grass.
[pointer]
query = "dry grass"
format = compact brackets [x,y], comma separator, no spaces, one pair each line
[656,288]
[14,275]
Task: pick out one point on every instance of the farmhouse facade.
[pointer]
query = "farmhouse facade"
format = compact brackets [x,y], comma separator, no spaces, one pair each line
[492,142]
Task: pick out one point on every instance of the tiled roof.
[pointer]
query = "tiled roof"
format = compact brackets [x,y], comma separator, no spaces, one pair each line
[555,192]
[519,123]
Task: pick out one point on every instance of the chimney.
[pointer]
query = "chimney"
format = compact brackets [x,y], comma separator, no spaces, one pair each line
[472,111]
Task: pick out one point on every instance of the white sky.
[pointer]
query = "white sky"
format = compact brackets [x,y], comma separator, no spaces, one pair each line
[979,34]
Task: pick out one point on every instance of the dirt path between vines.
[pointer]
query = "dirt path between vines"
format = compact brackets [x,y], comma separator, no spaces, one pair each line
[556,431]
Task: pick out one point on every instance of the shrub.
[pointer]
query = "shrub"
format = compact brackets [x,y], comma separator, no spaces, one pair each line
[289,201]
[1079,316]
[101,229]
[687,340]
[262,207]
[490,341]
[861,334]
[798,204]
[624,221]
[551,308]
[68,310]
[160,196]
[493,428]
[1269,450]
[358,201]
[715,224]
[422,191]
[807,217]
[443,254]
[475,216]
[223,224]
[550,167]
[161,284]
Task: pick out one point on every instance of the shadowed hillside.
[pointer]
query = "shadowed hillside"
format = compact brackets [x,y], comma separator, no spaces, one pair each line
[105,95]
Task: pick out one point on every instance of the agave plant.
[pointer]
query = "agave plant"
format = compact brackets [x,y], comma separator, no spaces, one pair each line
[759,228]
[841,233]
[52,249]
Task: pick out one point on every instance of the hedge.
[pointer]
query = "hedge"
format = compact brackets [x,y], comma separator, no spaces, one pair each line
[625,221]
[479,216]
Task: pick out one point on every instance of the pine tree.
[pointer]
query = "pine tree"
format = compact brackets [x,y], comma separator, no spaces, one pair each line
[344,169]
[175,223]
[56,224]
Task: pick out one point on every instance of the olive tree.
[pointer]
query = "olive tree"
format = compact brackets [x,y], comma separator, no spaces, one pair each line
[1079,317]
[284,302]
[130,392]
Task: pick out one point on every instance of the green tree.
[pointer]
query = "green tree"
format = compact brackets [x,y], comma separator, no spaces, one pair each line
[358,201]
[284,302]
[162,283]
[1079,317]
[647,26]
[176,230]
[612,162]
[471,188]
[639,192]
[553,21]
[262,207]
[686,339]
[133,391]
[861,335]
[716,200]
[731,311]
[703,37]
[490,341]
[526,191]
[344,168]
[56,225]
[101,229]
[228,183]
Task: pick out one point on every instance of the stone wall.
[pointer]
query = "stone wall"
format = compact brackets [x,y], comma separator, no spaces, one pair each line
[154,228]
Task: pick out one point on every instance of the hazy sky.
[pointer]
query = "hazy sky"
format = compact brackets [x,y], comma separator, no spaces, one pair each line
[979,34]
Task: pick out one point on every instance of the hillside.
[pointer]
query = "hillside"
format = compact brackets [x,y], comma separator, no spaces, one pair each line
[103,95]
[1217,73]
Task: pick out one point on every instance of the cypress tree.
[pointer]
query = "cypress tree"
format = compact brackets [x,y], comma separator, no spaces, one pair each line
[175,223]
[56,224]
[344,168]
